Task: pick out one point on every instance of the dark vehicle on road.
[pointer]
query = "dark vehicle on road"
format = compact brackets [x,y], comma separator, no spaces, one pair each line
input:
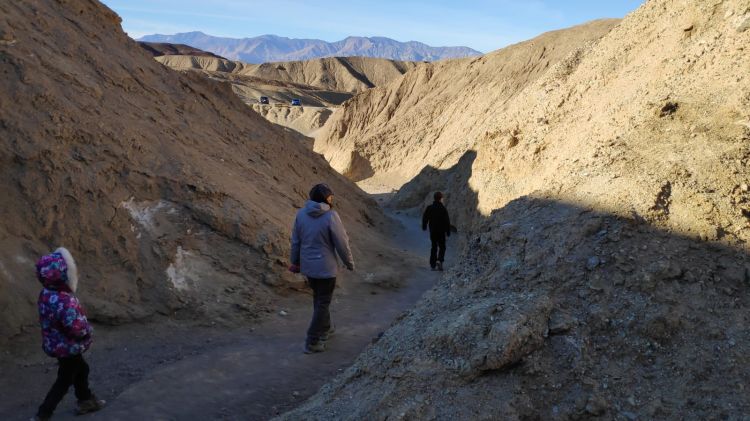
[296,102]
[264,100]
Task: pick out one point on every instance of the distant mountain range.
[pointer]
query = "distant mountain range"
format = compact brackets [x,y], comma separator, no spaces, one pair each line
[267,48]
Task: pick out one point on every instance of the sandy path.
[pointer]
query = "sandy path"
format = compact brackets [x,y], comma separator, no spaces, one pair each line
[260,373]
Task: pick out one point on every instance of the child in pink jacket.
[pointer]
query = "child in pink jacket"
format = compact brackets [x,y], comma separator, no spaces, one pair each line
[66,333]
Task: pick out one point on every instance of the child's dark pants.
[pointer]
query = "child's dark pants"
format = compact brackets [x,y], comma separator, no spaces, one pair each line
[71,371]
[321,319]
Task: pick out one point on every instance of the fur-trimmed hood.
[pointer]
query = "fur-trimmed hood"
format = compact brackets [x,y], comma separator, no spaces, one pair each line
[58,271]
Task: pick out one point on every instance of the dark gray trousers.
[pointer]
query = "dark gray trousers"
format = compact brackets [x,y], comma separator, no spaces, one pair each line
[321,319]
[437,251]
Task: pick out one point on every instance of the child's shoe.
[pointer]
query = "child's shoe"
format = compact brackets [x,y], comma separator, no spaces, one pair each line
[90,405]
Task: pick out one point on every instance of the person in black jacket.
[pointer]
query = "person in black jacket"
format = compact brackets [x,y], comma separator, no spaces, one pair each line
[436,216]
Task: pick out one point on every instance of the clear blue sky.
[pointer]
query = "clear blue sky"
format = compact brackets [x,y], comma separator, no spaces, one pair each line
[484,25]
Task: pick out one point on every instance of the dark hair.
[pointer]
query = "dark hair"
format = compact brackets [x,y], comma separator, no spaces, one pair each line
[320,193]
[437,196]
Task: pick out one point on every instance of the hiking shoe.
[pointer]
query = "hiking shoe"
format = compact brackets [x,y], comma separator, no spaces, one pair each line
[432,268]
[326,336]
[90,405]
[315,347]
[440,266]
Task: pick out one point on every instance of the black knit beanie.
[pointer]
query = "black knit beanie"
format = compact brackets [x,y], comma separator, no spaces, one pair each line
[320,192]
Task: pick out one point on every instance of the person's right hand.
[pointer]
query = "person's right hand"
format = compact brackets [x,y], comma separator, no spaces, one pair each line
[294,268]
[350,267]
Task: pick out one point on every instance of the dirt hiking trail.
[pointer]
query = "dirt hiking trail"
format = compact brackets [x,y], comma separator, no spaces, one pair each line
[254,373]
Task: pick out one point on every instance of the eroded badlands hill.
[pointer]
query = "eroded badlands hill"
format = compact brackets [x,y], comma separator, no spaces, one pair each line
[158,49]
[605,200]
[340,74]
[432,115]
[172,194]
[319,84]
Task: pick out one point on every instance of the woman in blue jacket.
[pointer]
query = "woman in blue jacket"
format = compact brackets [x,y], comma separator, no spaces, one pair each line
[318,235]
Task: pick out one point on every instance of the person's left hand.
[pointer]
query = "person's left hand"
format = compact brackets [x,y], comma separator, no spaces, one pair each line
[294,268]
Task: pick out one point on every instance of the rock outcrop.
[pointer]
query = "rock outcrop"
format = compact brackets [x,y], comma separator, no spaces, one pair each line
[605,269]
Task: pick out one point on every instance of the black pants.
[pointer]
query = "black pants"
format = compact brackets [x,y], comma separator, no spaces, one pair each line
[71,371]
[437,252]
[321,319]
